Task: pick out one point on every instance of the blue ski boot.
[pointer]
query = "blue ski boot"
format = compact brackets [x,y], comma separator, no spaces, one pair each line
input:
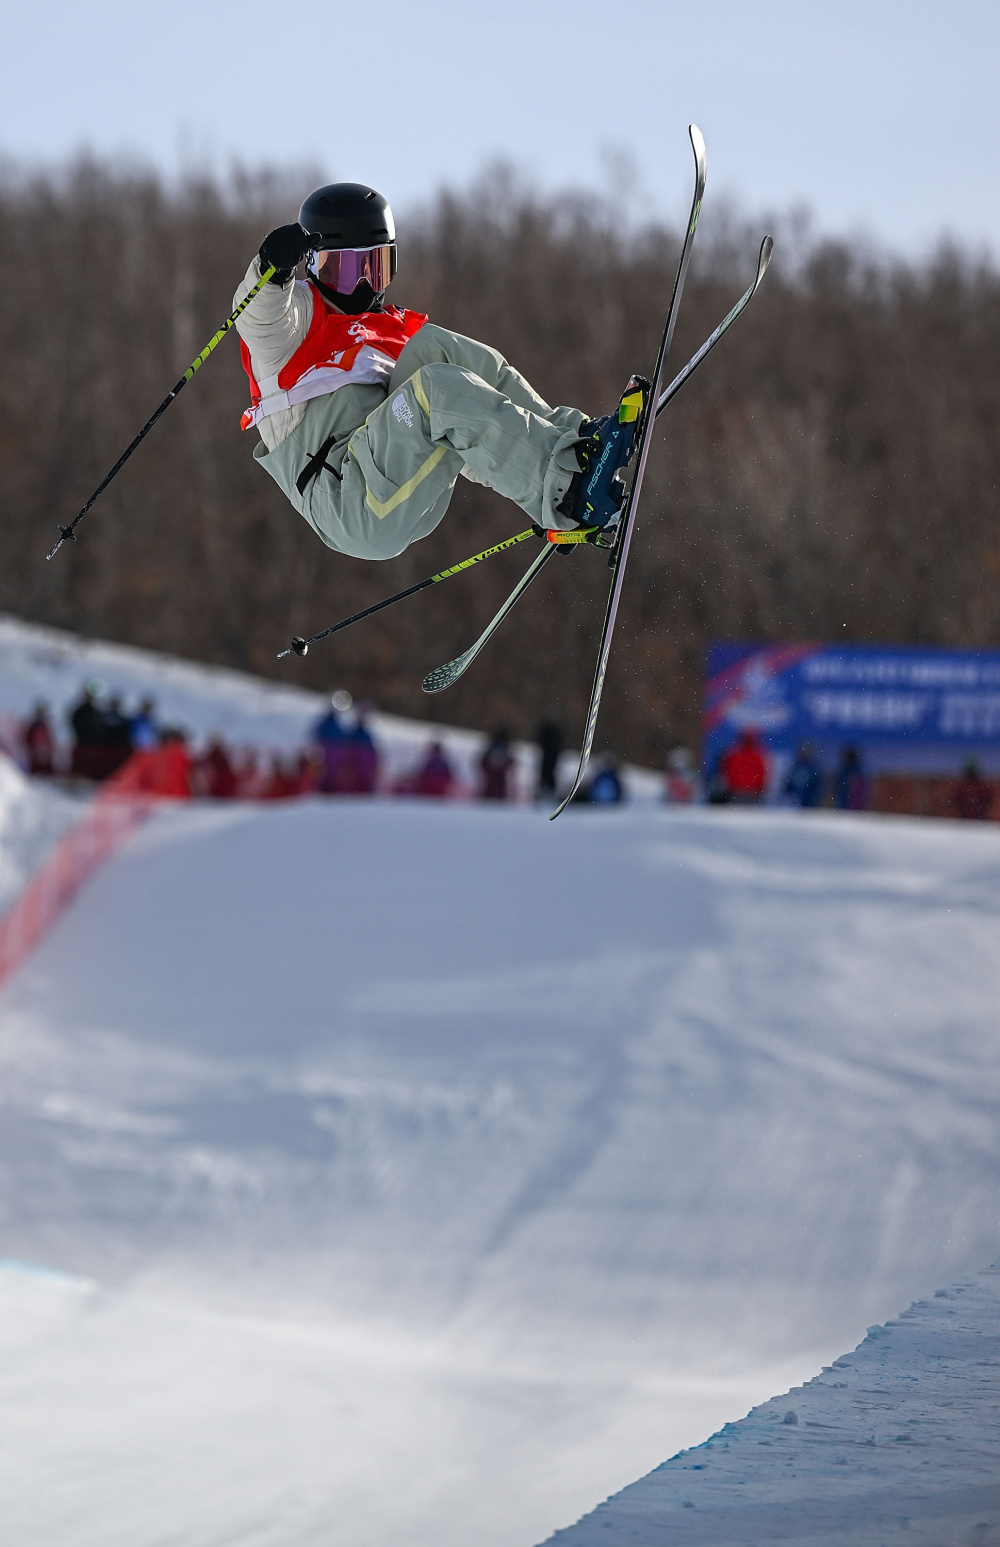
[597,493]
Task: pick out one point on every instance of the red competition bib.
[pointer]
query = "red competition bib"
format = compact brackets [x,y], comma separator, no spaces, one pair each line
[336,352]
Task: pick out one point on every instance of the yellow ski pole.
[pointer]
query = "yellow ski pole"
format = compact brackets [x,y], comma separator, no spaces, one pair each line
[68,533]
[300,646]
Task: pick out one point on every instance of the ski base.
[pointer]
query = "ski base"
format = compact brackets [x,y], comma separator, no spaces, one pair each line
[443,676]
[620,555]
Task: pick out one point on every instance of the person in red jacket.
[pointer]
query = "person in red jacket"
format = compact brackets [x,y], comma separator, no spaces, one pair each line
[744,769]
[216,775]
[170,766]
[164,771]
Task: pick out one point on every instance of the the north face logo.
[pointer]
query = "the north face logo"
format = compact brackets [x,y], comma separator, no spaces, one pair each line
[402,410]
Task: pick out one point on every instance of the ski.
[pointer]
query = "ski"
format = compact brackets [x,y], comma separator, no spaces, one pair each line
[300,646]
[764,258]
[443,676]
[624,535]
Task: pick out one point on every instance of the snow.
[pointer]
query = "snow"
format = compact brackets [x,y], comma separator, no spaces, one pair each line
[39,662]
[392,1171]
[897,1441]
[32,817]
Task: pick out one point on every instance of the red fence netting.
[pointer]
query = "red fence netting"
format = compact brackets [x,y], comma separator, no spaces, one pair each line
[119,807]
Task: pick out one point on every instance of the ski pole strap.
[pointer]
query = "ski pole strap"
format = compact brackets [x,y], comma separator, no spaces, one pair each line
[317,462]
[68,533]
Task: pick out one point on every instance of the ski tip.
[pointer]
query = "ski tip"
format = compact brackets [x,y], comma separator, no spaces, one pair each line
[698,144]
[443,676]
[571,792]
[563,803]
[766,249]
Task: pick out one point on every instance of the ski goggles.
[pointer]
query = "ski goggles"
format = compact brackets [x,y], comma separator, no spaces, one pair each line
[343,268]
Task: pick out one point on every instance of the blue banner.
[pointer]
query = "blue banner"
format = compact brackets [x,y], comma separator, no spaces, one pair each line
[905,709]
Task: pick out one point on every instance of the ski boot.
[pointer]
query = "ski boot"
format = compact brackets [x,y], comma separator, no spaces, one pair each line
[597,493]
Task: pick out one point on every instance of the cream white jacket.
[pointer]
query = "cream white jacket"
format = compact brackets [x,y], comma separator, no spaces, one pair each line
[272,327]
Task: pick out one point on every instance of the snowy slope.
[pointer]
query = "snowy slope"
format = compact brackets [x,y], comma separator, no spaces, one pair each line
[38,662]
[428,1174]
[898,1441]
[32,817]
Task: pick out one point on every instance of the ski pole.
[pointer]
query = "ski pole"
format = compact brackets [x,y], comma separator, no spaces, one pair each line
[68,533]
[301,646]
[562,539]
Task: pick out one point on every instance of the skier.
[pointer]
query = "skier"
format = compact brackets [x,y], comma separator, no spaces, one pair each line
[368,413]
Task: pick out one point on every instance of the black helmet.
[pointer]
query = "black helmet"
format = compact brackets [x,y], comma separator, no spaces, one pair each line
[347,215]
[353,220]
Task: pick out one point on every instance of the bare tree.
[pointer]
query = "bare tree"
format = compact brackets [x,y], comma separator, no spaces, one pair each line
[831,473]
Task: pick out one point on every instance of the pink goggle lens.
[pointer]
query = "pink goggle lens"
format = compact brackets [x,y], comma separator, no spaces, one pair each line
[343,268]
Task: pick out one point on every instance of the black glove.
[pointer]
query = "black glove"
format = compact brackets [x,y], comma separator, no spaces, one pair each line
[285,248]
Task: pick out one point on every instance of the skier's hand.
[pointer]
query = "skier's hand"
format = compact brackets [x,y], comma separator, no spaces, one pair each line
[284,247]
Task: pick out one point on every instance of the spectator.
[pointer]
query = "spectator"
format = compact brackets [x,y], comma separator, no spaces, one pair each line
[496,764]
[359,771]
[116,736]
[973,795]
[718,790]
[283,781]
[328,727]
[744,769]
[307,773]
[145,733]
[87,722]
[550,744]
[173,764]
[250,781]
[164,770]
[39,742]
[216,774]
[434,776]
[337,774]
[804,783]
[606,785]
[681,779]
[851,786]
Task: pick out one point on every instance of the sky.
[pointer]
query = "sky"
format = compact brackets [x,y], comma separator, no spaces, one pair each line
[882,118]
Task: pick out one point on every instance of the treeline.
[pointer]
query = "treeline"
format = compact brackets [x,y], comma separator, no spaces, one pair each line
[831,473]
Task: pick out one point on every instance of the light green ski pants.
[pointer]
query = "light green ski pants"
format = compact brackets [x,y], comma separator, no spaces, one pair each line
[451,404]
